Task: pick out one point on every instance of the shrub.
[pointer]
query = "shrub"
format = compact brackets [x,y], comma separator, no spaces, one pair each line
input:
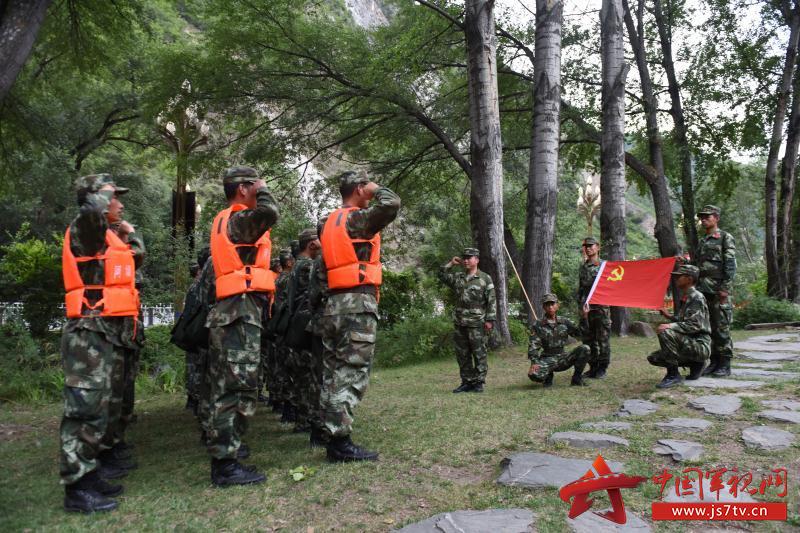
[402,295]
[520,333]
[765,309]
[416,339]
[161,361]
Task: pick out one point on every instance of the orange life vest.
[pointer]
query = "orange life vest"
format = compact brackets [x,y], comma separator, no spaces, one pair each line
[233,276]
[345,271]
[120,297]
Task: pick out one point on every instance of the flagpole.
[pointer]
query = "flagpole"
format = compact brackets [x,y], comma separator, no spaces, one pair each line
[522,285]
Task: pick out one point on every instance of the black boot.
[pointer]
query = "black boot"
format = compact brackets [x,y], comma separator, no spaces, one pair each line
[110,471]
[288,416]
[712,366]
[600,373]
[110,458]
[342,450]
[107,489]
[317,438]
[548,381]
[243,452]
[228,472]
[121,452]
[591,373]
[577,378]
[464,387]
[277,407]
[82,497]
[695,370]
[723,369]
[476,387]
[672,379]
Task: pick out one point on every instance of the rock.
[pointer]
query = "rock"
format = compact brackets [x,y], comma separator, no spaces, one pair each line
[641,329]
[768,366]
[680,450]
[772,356]
[707,494]
[685,425]
[776,415]
[580,439]
[767,438]
[590,522]
[786,405]
[721,383]
[534,470]
[501,520]
[760,373]
[637,408]
[607,426]
[717,404]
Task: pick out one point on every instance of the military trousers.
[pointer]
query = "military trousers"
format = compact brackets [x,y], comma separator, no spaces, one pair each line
[89,360]
[234,358]
[679,349]
[193,376]
[720,315]
[597,337]
[299,363]
[471,354]
[577,357]
[348,346]
[315,385]
[123,395]
[203,390]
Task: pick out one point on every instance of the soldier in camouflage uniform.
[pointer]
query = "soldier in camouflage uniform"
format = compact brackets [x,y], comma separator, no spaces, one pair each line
[93,354]
[716,258]
[267,377]
[194,365]
[317,296]
[235,324]
[546,347]
[278,324]
[686,340]
[596,322]
[350,317]
[474,316]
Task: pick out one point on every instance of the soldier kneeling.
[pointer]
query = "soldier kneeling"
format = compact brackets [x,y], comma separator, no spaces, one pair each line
[546,348]
[686,340]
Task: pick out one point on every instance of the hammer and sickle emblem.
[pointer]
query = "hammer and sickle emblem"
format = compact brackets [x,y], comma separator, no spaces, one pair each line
[616,274]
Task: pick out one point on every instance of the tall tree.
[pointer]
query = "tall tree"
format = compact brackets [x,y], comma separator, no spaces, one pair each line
[20,21]
[612,142]
[543,171]
[785,233]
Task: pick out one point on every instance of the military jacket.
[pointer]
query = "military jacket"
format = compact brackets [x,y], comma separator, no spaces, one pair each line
[716,259]
[693,317]
[549,338]
[475,299]
[586,276]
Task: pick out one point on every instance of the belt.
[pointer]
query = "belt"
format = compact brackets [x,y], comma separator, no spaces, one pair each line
[361,289]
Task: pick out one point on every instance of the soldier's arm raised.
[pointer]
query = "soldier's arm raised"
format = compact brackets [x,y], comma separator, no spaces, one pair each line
[365,223]
[89,228]
[249,225]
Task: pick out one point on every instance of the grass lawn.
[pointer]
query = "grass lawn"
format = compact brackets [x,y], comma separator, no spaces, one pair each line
[439,452]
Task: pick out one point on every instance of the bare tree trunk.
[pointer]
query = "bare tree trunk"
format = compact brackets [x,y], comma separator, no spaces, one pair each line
[20,21]
[612,143]
[775,278]
[681,136]
[540,221]
[794,273]
[486,149]
[788,186]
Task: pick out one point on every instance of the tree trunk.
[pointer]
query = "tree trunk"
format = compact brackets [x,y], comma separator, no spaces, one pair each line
[775,278]
[681,135]
[788,186]
[794,273]
[543,170]
[486,149]
[20,21]
[612,143]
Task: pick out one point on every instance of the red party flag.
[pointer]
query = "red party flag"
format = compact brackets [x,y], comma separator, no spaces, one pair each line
[632,283]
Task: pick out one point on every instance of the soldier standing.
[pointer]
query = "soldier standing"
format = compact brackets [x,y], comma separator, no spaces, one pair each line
[278,324]
[474,316]
[240,253]
[352,272]
[99,269]
[267,376]
[317,296]
[546,347]
[596,318]
[716,259]
[686,340]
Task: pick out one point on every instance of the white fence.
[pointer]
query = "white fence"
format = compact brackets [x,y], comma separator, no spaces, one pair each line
[153,315]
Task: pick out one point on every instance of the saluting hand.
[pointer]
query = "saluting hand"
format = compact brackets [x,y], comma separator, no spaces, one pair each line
[533,369]
[455,261]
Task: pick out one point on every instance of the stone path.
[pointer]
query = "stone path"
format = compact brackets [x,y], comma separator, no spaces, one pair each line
[581,439]
[590,522]
[607,426]
[680,450]
[767,438]
[772,356]
[717,404]
[500,520]
[535,470]
[761,373]
[637,408]
[684,425]
[767,366]
[722,383]
[781,415]
[788,405]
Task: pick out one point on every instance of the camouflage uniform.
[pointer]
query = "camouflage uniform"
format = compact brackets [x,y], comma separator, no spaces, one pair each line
[716,259]
[92,347]
[194,366]
[688,339]
[281,382]
[317,296]
[475,305]
[235,340]
[349,323]
[206,294]
[597,325]
[546,347]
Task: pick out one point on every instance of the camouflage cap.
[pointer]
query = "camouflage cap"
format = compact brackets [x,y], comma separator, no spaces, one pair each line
[549,297]
[470,252]
[308,234]
[352,177]
[709,209]
[239,175]
[589,241]
[274,264]
[285,254]
[687,270]
[86,185]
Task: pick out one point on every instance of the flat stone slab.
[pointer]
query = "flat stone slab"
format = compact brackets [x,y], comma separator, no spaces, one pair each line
[591,522]
[582,439]
[772,356]
[684,425]
[767,438]
[717,404]
[766,366]
[502,520]
[637,408]
[534,470]
[775,337]
[707,494]
[722,383]
[761,373]
[607,426]
[680,450]
[778,415]
[786,405]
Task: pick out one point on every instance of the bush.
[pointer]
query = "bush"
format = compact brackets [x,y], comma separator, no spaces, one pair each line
[765,309]
[162,362]
[30,374]
[416,339]
[402,295]
[520,333]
